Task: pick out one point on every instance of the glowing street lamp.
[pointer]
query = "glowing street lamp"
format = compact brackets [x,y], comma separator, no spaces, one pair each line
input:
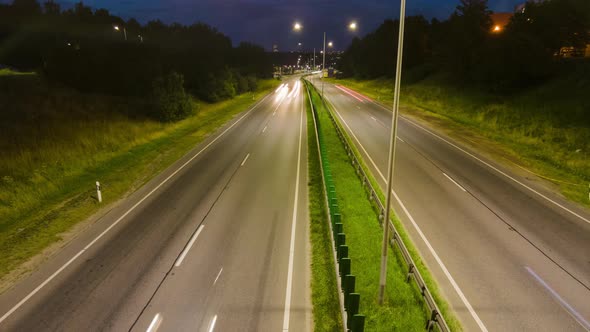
[352,26]
[330,44]
[497,28]
[116,27]
[297,26]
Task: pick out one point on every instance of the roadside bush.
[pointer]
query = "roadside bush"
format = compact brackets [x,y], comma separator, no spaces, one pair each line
[171,102]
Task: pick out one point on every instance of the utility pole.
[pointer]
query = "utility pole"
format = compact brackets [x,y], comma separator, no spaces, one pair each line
[398,77]
[323,64]
[314,58]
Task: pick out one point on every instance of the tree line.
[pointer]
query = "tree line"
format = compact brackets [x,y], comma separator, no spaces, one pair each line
[469,49]
[94,51]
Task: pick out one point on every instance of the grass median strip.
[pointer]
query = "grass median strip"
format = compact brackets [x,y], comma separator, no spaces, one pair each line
[404,309]
[45,194]
[324,289]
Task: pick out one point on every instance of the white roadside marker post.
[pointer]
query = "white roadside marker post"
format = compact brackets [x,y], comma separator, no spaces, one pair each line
[98,194]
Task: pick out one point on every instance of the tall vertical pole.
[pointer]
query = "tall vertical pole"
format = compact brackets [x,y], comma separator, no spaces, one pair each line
[125,33]
[323,65]
[398,77]
[314,58]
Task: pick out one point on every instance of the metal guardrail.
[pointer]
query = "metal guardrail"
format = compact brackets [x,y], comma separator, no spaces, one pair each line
[436,317]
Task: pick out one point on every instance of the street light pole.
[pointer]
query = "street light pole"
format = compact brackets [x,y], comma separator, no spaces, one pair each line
[125,33]
[323,65]
[314,58]
[391,164]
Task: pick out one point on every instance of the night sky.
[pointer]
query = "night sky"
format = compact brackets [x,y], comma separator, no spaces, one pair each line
[266,22]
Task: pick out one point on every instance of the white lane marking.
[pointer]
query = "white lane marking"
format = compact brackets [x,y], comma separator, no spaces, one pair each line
[155,324]
[492,167]
[373,118]
[189,246]
[422,236]
[293,226]
[570,310]
[218,274]
[63,267]
[212,325]
[401,140]
[244,161]
[263,130]
[358,107]
[455,182]
[273,113]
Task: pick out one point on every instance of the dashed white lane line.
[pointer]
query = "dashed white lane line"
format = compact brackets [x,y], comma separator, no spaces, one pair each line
[155,324]
[218,274]
[493,168]
[373,118]
[244,161]
[263,130]
[422,236]
[570,310]
[293,228]
[116,222]
[273,113]
[212,325]
[455,182]
[189,246]
[401,140]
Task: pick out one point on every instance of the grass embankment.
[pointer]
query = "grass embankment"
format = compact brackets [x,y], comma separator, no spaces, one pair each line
[55,143]
[324,288]
[404,309]
[545,129]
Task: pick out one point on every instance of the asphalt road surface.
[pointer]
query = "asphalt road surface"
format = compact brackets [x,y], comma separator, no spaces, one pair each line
[217,242]
[508,254]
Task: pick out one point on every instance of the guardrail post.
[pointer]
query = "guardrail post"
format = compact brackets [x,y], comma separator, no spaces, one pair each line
[340,239]
[357,323]
[338,228]
[344,266]
[433,319]
[348,288]
[342,252]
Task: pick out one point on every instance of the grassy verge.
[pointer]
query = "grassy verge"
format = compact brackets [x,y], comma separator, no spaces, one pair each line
[545,130]
[404,309]
[53,147]
[324,288]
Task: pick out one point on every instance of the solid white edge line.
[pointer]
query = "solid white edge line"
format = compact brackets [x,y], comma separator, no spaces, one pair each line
[213,321]
[263,130]
[491,166]
[422,236]
[244,161]
[293,227]
[372,117]
[218,274]
[568,308]
[189,246]
[455,182]
[155,324]
[63,267]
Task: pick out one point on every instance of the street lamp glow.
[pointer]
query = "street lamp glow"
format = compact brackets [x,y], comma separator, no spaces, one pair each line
[297,26]
[330,44]
[352,26]
[497,28]
[116,27]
